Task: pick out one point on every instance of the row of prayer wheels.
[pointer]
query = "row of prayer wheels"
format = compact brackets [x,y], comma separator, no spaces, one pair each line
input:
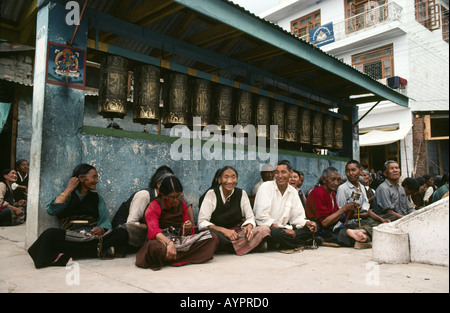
[185,97]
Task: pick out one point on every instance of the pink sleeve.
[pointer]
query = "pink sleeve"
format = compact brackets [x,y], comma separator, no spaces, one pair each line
[152,215]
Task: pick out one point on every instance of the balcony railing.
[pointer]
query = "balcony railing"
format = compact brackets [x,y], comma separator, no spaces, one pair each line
[382,14]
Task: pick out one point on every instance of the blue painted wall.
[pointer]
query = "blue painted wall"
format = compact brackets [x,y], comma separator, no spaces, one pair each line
[125,165]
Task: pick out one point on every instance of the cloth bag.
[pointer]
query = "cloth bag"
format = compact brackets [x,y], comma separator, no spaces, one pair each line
[184,242]
[78,229]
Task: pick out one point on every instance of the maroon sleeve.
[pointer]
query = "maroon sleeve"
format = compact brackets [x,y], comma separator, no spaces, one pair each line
[319,204]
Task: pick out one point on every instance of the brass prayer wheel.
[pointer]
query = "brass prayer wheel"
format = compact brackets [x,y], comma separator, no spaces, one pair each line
[176,110]
[243,108]
[147,94]
[223,101]
[338,133]
[201,101]
[262,107]
[278,118]
[328,131]
[291,123]
[317,129]
[113,89]
[304,135]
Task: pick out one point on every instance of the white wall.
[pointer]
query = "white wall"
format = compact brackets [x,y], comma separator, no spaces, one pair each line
[420,56]
[421,236]
[330,11]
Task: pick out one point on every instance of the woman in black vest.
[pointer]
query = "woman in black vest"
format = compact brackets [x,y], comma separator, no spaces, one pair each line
[78,201]
[227,212]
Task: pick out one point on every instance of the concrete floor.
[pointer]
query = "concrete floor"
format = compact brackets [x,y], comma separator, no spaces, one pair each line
[325,270]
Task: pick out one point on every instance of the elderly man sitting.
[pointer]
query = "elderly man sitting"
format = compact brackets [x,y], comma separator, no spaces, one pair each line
[322,205]
[391,201]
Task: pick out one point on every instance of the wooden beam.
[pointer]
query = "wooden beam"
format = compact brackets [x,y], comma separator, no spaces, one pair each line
[145,9]
[104,47]
[183,25]
[295,69]
[28,15]
[122,7]
[142,11]
[171,9]
[258,54]
[225,46]
[213,35]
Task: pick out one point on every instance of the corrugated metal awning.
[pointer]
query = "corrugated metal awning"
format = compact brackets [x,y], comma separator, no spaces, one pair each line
[216,37]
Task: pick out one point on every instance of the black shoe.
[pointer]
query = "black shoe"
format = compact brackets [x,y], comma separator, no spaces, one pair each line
[319,240]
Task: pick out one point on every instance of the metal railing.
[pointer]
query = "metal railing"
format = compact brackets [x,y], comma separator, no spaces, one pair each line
[382,14]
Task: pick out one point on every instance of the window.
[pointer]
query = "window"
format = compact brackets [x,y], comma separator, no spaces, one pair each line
[444,23]
[436,127]
[360,14]
[378,63]
[303,25]
[428,14]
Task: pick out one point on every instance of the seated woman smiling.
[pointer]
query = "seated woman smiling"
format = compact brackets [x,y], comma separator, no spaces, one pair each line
[85,225]
[11,210]
[172,240]
[227,212]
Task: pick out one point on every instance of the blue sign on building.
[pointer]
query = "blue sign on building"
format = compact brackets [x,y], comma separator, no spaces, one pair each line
[322,35]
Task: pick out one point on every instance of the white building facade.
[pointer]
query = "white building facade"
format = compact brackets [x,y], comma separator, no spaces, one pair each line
[401,43]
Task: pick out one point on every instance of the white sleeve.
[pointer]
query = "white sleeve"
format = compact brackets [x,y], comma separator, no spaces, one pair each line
[246,209]
[255,189]
[428,194]
[138,206]
[365,204]
[206,210]
[263,204]
[341,197]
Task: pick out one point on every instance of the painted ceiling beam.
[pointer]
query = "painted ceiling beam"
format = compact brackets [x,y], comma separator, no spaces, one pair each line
[168,44]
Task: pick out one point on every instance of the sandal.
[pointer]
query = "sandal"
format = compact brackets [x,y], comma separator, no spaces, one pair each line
[62,260]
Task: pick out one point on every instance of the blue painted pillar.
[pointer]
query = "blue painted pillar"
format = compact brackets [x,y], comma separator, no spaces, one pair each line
[58,109]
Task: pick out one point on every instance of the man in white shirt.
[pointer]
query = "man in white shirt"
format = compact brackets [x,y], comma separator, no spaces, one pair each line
[278,206]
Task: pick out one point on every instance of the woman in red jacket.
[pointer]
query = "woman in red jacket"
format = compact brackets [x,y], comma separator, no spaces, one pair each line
[172,239]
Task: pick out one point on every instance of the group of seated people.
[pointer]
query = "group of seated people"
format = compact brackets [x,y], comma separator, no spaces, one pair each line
[13,194]
[158,225]
[425,190]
